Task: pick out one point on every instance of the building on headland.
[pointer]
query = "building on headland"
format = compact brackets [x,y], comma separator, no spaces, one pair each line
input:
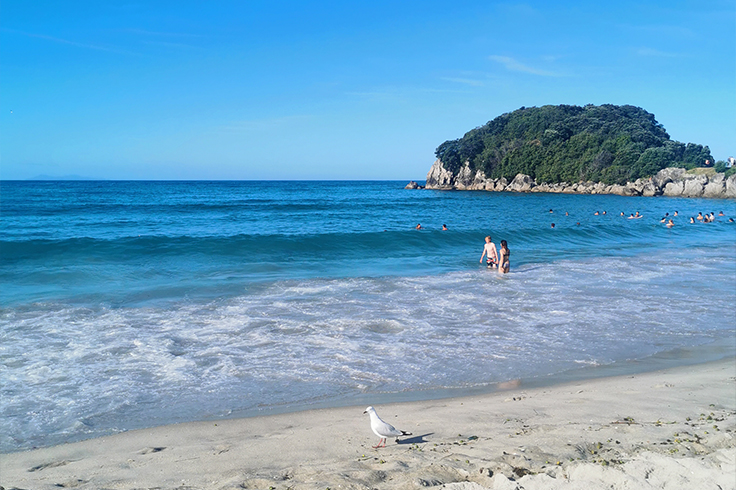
[730,162]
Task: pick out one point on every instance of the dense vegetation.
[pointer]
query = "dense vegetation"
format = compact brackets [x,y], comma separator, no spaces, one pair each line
[607,143]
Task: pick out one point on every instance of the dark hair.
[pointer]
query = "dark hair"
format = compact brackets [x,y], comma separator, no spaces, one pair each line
[504,244]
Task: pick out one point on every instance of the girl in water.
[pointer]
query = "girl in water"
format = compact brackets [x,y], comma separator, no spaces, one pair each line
[503,261]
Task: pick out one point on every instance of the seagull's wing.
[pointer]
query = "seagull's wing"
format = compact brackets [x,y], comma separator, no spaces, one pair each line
[384,429]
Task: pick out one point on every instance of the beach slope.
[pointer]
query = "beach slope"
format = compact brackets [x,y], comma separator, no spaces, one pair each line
[667,429]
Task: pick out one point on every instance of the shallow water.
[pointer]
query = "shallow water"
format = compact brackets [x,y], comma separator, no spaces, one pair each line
[132,304]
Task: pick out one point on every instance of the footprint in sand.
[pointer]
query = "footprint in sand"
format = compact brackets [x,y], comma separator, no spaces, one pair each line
[149,450]
[54,464]
[72,483]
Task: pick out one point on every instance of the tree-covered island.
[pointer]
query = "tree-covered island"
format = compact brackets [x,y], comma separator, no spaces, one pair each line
[606,145]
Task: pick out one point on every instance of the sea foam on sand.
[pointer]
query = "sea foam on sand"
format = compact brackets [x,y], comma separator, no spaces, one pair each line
[668,429]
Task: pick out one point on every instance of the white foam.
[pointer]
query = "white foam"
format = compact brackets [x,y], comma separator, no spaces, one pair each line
[75,371]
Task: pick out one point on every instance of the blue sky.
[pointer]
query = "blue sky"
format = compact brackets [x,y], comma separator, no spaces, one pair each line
[336,90]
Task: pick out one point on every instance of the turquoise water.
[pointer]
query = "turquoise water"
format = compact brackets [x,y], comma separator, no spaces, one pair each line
[131,304]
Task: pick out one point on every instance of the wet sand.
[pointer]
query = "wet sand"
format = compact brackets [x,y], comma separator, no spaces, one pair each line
[674,428]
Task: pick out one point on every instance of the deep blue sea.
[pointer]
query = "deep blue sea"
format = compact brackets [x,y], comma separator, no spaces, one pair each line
[132,304]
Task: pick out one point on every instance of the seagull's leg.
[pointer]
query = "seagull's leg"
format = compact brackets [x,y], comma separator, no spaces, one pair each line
[379,444]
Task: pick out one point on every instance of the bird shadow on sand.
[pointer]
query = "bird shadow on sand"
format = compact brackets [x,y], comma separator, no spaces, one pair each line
[415,439]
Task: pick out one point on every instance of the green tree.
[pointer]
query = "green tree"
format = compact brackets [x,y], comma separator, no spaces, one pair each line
[607,143]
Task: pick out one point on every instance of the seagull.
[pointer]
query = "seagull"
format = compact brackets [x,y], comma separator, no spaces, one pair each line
[382,429]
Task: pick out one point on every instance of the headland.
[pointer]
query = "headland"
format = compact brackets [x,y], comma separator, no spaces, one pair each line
[606,149]
[672,182]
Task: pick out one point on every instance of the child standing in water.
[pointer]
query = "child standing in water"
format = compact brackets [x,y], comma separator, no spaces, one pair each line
[504,263]
[489,252]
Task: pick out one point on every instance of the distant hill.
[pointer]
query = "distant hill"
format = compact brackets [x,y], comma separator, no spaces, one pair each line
[566,143]
[62,177]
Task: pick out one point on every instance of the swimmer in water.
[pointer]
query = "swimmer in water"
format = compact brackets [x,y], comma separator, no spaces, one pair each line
[692,220]
[419,226]
[505,265]
[670,224]
[444,227]
[489,252]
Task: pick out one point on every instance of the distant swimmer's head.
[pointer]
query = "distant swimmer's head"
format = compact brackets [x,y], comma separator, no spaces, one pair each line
[553,225]
[730,220]
[551,211]
[444,227]
[419,226]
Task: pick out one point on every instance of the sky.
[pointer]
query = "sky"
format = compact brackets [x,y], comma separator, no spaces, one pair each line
[363,90]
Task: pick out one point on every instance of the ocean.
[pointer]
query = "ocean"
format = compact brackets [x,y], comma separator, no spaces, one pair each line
[126,305]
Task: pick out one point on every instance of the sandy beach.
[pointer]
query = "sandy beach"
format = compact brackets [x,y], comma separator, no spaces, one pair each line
[668,429]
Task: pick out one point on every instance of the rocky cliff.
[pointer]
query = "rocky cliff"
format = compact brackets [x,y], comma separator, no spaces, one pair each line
[675,182]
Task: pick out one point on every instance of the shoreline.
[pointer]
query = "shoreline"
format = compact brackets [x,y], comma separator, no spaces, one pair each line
[675,426]
[672,359]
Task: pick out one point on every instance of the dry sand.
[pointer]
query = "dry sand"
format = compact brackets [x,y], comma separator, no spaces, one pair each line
[668,429]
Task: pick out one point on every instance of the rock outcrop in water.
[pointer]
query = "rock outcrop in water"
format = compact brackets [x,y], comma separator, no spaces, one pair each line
[673,182]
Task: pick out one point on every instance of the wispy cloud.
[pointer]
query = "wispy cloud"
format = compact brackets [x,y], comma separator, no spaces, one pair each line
[464,81]
[58,40]
[656,53]
[513,65]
